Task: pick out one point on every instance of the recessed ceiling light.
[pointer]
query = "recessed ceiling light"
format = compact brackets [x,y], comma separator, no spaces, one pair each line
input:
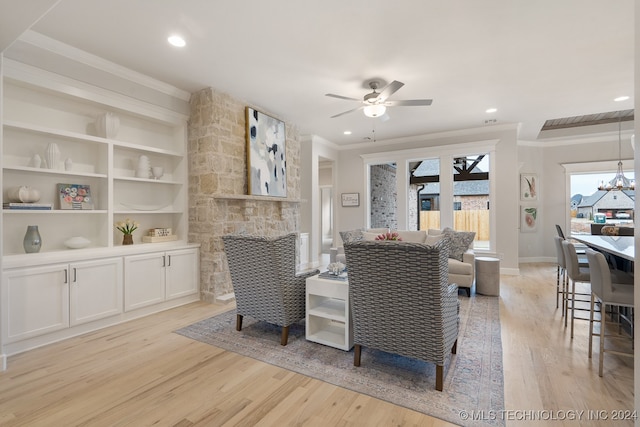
[176,41]
[491,110]
[347,132]
[621,98]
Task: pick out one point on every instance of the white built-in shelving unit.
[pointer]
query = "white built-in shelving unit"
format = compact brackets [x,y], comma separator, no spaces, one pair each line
[52,294]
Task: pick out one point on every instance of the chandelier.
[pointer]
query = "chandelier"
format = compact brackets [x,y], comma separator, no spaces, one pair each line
[619,182]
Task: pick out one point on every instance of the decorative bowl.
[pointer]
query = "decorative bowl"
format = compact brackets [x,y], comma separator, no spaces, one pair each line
[336,268]
[77,242]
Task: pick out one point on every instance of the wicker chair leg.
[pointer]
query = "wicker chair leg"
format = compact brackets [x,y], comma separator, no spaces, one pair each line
[356,354]
[238,322]
[285,335]
[455,347]
[439,377]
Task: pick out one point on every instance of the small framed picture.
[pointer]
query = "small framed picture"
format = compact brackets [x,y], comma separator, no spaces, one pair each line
[528,184]
[350,199]
[528,219]
[75,197]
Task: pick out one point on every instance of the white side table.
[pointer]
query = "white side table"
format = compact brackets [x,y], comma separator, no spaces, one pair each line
[488,276]
[328,316]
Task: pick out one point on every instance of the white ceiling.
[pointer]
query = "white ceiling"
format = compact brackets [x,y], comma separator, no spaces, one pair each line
[532,60]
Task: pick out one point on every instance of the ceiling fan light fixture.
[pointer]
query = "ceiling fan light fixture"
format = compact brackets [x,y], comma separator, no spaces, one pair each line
[176,41]
[375,110]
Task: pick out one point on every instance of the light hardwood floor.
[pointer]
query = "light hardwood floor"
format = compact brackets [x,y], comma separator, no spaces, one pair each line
[140,373]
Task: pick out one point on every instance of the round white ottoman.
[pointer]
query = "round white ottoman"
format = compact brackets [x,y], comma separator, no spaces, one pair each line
[488,276]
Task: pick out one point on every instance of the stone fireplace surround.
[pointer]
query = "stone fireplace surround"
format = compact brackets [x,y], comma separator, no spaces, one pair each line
[218,203]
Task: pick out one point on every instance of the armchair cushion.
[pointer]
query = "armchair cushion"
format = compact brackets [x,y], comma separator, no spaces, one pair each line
[460,242]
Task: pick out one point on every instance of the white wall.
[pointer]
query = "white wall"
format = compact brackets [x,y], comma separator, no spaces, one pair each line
[547,159]
[312,151]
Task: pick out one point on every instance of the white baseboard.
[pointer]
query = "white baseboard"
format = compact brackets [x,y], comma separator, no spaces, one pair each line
[226,298]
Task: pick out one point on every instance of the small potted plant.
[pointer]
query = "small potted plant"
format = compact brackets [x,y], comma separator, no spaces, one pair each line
[127,227]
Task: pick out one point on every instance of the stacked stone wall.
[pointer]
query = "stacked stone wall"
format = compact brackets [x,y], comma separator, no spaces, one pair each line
[217,172]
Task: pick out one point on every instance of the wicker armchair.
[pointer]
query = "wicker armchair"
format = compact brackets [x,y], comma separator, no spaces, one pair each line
[402,302]
[264,279]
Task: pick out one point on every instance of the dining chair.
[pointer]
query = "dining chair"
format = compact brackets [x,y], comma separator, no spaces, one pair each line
[576,274]
[561,274]
[609,289]
[580,247]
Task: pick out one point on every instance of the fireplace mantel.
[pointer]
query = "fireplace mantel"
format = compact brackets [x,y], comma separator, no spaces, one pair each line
[256,198]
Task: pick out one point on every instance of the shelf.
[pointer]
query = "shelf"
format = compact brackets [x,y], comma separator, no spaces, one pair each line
[331,335]
[28,127]
[53,171]
[39,110]
[146,148]
[145,180]
[333,309]
[54,211]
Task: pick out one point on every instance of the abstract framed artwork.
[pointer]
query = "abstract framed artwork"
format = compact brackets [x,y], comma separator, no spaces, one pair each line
[528,219]
[266,155]
[528,186]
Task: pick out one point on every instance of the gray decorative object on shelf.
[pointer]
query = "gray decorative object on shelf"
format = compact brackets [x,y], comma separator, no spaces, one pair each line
[32,241]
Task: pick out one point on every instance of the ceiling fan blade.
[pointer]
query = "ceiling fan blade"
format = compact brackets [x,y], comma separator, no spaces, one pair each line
[341,97]
[409,102]
[389,90]
[347,112]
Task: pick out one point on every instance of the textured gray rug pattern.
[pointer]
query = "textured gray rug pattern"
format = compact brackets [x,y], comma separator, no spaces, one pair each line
[473,384]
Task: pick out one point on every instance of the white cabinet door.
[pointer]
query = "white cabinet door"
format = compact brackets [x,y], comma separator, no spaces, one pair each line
[182,273]
[95,289]
[35,301]
[143,280]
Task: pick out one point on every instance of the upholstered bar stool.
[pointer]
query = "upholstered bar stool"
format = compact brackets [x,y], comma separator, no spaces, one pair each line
[561,274]
[576,273]
[610,289]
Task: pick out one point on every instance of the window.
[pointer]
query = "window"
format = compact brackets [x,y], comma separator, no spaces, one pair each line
[471,192]
[429,183]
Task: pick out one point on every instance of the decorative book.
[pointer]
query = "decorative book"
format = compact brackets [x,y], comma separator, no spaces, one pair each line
[27,206]
[75,197]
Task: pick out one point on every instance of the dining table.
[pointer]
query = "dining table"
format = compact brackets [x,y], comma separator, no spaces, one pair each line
[622,248]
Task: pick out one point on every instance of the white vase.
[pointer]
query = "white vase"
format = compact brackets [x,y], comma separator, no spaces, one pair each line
[144,167]
[107,125]
[36,161]
[68,164]
[52,155]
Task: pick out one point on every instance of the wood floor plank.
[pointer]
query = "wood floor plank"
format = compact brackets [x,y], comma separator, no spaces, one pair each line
[141,373]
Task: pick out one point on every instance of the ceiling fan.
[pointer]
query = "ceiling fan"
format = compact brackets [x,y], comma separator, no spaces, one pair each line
[375,103]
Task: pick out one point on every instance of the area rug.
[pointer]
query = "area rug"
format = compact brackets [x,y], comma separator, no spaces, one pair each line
[473,385]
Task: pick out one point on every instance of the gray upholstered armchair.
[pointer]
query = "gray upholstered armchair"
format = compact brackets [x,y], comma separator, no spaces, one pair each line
[401,300]
[264,279]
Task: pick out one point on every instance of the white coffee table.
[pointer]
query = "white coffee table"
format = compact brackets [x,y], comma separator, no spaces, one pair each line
[328,315]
